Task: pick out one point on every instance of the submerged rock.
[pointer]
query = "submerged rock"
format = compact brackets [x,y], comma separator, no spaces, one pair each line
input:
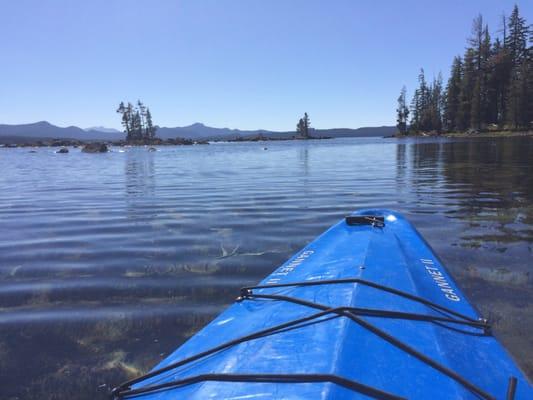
[95,148]
[62,150]
[499,275]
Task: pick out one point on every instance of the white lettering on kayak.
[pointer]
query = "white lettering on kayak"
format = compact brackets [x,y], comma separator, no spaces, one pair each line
[286,269]
[440,280]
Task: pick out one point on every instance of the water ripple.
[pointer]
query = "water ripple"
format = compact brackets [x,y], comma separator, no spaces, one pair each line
[108,262]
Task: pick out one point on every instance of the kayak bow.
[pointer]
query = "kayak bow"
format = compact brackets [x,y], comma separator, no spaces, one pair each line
[366,310]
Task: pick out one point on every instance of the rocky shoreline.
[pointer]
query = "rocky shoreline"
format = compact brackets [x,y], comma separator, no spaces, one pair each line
[274,139]
[90,145]
[468,134]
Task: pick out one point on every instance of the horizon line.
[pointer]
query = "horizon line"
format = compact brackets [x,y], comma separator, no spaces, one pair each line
[186,126]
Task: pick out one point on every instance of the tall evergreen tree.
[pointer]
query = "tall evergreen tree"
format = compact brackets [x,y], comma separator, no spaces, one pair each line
[424,102]
[125,118]
[517,104]
[303,126]
[402,112]
[502,68]
[453,96]
[480,44]
[137,126]
[476,106]
[517,92]
[307,124]
[142,115]
[484,78]
[415,112]
[131,120]
[476,40]
[467,90]
[150,128]
[300,129]
[494,91]
[435,105]
[516,40]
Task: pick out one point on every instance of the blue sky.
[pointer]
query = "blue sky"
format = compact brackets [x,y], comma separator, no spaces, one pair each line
[244,64]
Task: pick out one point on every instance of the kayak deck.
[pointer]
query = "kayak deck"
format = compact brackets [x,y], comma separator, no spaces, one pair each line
[369,342]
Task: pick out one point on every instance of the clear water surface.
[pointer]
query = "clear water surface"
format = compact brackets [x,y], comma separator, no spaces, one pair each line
[110,261]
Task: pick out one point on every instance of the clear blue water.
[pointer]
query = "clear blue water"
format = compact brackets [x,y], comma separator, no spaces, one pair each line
[110,261]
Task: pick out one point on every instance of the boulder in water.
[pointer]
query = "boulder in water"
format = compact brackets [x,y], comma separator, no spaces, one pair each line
[95,148]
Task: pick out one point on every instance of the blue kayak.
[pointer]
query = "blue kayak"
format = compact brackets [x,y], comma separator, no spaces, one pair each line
[366,310]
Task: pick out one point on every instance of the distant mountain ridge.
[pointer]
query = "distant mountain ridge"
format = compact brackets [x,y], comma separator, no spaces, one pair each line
[201,131]
[45,130]
[102,129]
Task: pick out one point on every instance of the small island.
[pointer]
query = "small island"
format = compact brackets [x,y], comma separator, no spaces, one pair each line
[303,132]
[140,130]
[137,123]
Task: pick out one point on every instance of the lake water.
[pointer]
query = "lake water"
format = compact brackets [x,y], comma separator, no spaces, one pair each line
[110,261]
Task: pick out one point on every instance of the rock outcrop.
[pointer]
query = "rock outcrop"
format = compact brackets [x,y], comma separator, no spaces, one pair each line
[95,148]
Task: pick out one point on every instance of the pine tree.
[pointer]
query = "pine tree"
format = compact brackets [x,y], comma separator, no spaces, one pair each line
[493,92]
[150,128]
[125,118]
[501,71]
[131,117]
[424,103]
[137,126]
[486,54]
[480,44]
[435,106]
[517,92]
[453,96]
[467,90]
[142,115]
[300,129]
[421,106]
[517,104]
[475,110]
[476,40]
[307,124]
[516,40]
[415,112]
[402,112]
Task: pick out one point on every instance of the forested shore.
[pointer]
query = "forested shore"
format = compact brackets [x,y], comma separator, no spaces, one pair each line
[489,90]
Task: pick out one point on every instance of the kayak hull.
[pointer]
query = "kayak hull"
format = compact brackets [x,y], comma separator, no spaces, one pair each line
[394,256]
